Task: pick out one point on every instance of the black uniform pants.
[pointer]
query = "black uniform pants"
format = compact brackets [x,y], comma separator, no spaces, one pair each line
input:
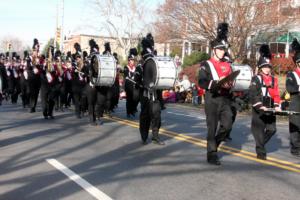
[14,88]
[115,96]
[24,91]
[59,99]
[68,93]
[34,88]
[234,113]
[65,93]
[48,96]
[263,127]
[294,124]
[132,100]
[104,98]
[34,94]
[77,95]
[294,134]
[218,113]
[91,94]
[150,115]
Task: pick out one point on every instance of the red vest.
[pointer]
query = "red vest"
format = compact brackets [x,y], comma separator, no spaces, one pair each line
[222,68]
[273,90]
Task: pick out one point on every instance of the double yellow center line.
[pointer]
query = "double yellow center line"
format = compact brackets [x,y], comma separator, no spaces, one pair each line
[223,148]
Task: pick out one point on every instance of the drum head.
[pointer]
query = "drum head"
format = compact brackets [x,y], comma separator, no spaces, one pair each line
[149,73]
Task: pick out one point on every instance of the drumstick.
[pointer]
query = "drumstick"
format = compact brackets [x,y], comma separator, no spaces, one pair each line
[141,86]
[133,82]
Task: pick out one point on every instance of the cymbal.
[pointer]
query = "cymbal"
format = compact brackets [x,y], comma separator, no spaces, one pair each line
[230,77]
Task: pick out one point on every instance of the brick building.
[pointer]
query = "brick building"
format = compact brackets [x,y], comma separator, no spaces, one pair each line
[83,40]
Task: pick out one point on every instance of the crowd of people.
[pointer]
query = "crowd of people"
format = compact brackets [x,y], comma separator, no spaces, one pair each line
[193,94]
[59,79]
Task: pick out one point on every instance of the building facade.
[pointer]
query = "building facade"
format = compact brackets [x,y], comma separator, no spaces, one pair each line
[84,39]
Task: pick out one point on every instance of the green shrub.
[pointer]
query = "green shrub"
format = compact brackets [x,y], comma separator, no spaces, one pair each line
[195,58]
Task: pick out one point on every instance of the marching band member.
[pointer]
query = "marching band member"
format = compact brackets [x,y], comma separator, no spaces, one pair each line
[78,81]
[3,77]
[85,71]
[116,86]
[14,80]
[50,85]
[293,87]
[34,68]
[90,89]
[58,67]
[104,93]
[150,104]
[67,76]
[24,81]
[218,100]
[264,94]
[131,89]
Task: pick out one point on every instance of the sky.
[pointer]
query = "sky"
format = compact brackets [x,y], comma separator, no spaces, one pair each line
[28,19]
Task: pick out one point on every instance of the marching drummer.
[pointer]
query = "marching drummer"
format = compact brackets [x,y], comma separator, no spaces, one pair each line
[131,89]
[264,95]
[150,105]
[218,110]
[293,87]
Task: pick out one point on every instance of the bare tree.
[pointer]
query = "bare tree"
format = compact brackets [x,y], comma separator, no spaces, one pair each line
[199,18]
[16,44]
[122,19]
[171,21]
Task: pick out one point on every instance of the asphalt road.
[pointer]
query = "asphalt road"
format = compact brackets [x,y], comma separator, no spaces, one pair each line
[37,156]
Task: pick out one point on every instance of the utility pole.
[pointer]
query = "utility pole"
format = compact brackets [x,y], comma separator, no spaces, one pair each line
[56,27]
[62,27]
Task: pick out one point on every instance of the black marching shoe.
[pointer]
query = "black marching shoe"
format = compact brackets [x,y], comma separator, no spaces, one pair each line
[144,142]
[213,160]
[261,156]
[32,110]
[45,117]
[51,116]
[156,140]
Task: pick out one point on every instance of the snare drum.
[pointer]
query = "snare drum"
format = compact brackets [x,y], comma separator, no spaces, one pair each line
[159,72]
[243,80]
[104,70]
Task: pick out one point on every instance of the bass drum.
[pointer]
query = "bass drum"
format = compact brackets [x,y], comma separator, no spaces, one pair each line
[243,80]
[159,72]
[103,70]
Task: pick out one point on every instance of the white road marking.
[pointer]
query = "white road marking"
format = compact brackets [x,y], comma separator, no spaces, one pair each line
[95,192]
[194,116]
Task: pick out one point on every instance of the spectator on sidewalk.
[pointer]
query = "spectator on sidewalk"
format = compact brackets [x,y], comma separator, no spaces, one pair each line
[201,93]
[195,95]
